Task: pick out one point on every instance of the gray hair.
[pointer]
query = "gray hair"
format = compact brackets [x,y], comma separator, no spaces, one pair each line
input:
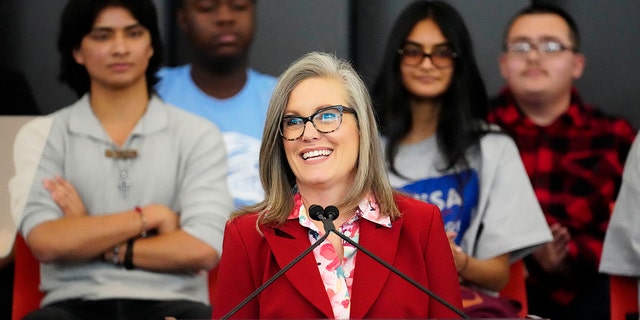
[276,175]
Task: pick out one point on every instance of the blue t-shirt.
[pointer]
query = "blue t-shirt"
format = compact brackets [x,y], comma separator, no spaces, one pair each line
[240,118]
[455,193]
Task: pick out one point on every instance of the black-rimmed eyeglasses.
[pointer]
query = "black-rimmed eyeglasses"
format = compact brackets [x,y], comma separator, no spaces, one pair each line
[325,120]
[442,55]
[549,47]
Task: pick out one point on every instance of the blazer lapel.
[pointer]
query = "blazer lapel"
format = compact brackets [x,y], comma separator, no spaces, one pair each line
[369,275]
[287,242]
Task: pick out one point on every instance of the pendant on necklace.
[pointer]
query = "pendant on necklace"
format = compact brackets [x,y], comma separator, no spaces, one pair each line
[124,185]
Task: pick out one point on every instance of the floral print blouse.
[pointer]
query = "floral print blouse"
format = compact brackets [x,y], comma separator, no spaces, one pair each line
[337,273]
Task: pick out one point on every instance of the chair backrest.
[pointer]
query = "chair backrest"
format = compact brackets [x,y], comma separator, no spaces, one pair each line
[26,295]
[26,281]
[624,296]
[9,126]
[516,288]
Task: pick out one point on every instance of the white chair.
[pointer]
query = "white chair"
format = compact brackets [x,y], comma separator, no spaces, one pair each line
[9,126]
[22,139]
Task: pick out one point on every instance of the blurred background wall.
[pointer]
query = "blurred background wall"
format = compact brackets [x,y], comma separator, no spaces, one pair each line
[356,30]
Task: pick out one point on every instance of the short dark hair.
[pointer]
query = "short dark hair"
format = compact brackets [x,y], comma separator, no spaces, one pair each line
[545,8]
[77,21]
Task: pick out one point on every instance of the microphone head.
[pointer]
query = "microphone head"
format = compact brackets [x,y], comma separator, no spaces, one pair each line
[315,211]
[331,212]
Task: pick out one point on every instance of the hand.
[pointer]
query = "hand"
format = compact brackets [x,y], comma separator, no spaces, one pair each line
[451,235]
[161,218]
[65,196]
[459,257]
[551,256]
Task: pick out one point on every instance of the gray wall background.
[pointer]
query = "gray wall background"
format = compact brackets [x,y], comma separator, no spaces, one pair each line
[356,30]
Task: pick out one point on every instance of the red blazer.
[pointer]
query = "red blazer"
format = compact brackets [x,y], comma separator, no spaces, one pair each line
[416,245]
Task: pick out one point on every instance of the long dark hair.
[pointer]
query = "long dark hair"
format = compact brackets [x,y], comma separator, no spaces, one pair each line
[77,20]
[464,104]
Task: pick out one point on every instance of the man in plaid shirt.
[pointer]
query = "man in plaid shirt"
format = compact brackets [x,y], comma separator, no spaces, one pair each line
[573,153]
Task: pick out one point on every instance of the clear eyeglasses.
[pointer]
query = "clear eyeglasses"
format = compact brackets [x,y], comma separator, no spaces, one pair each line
[442,55]
[325,120]
[549,47]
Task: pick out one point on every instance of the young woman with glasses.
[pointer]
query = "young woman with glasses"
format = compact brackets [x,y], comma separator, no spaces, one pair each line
[320,146]
[430,101]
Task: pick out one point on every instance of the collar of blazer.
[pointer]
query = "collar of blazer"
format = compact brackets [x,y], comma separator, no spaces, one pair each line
[291,239]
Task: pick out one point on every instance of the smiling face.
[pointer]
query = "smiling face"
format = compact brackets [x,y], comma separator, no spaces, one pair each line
[425,80]
[116,51]
[535,74]
[322,160]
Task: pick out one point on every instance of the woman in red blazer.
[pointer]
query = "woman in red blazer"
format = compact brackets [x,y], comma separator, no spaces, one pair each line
[333,160]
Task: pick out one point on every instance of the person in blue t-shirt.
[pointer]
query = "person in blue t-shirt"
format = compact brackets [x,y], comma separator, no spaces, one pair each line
[219,85]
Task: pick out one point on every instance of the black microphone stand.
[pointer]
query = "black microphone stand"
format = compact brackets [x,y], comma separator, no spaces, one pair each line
[331,213]
[313,209]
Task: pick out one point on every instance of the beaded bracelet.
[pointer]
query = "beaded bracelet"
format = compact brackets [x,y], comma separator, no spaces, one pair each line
[116,255]
[144,232]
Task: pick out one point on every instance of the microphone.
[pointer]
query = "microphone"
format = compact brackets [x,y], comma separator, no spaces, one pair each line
[326,215]
[314,211]
[331,213]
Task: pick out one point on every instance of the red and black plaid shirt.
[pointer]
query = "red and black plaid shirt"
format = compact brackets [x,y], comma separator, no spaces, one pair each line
[575,166]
